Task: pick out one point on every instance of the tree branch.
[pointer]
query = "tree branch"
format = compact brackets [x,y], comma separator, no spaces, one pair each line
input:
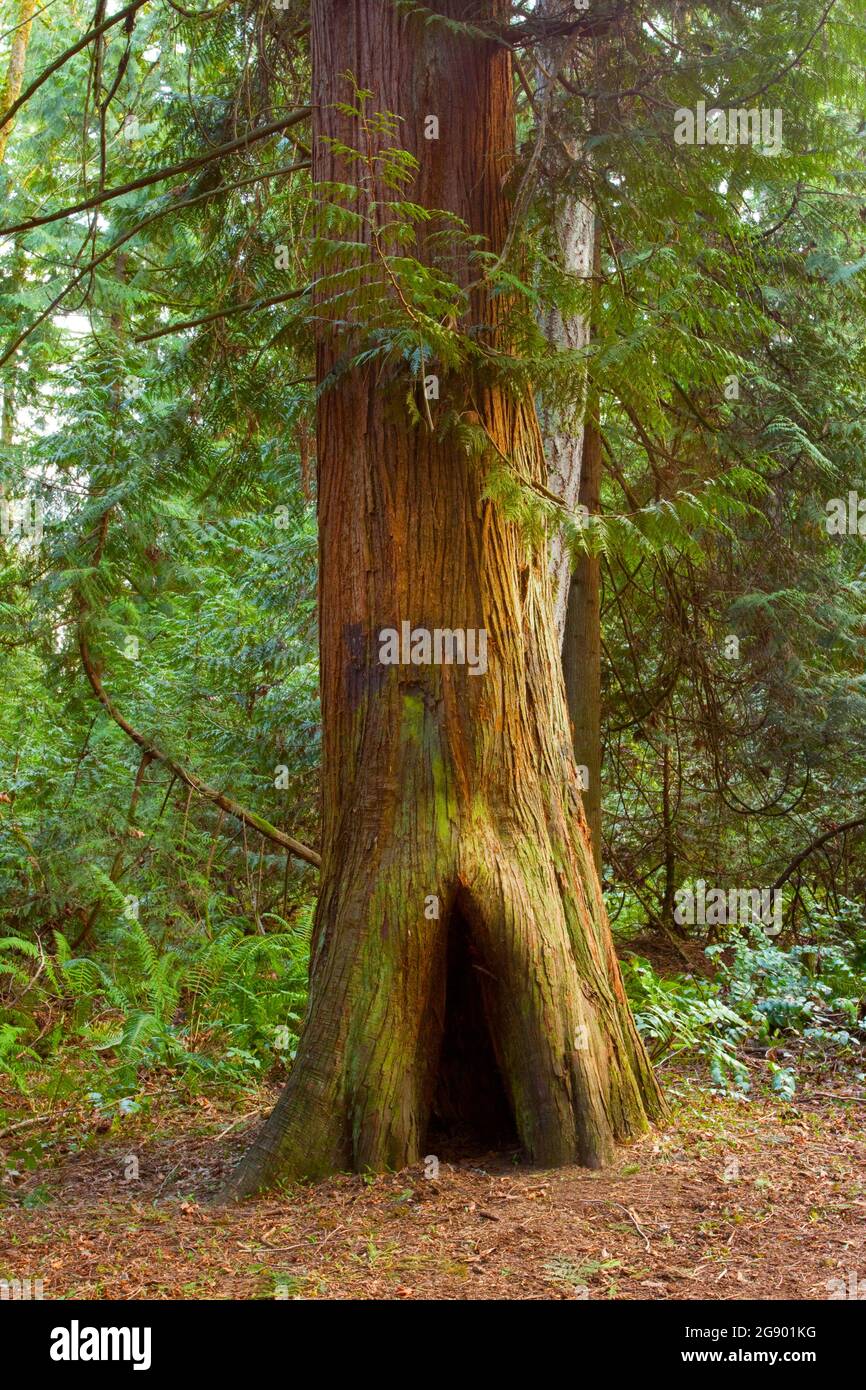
[158,175]
[134,231]
[64,57]
[189,779]
[816,844]
[246,308]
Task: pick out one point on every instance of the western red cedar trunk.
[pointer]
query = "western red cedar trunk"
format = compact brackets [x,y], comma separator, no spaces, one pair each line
[440,784]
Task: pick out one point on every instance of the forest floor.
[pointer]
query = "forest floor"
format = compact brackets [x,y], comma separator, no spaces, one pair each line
[761,1198]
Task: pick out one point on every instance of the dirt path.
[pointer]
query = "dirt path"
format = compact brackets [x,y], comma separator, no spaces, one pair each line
[760,1199]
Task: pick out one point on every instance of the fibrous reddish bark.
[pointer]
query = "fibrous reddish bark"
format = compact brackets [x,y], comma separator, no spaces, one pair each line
[444,790]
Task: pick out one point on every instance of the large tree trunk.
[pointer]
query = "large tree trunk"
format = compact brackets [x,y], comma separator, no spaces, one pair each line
[440,784]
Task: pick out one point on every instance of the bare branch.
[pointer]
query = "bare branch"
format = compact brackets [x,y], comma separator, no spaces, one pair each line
[157,176]
[189,779]
[247,308]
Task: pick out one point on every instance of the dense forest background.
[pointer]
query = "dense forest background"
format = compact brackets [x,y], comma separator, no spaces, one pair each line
[159,727]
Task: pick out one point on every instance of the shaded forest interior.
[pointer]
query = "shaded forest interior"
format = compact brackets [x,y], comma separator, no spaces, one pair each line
[433,460]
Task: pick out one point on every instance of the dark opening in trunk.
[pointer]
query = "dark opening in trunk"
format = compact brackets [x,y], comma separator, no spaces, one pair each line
[471,1111]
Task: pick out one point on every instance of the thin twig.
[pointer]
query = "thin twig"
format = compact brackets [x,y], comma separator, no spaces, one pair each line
[35,1120]
[608,1201]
